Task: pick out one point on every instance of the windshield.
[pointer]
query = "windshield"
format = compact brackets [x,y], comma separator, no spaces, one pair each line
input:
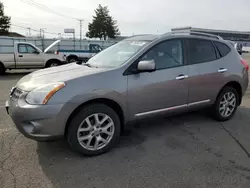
[117,54]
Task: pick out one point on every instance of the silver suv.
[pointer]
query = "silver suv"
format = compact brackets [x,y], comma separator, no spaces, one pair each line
[90,104]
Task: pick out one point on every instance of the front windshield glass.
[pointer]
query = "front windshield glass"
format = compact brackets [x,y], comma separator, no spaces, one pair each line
[117,54]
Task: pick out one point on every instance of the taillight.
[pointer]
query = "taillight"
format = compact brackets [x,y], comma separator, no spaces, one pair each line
[244,62]
[56,52]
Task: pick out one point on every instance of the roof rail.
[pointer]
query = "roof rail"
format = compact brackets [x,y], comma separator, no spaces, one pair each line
[196,33]
[206,35]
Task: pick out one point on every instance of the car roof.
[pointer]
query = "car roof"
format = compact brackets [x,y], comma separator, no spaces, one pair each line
[144,37]
[175,34]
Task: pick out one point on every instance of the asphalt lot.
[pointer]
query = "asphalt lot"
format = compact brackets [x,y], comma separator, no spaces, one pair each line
[189,150]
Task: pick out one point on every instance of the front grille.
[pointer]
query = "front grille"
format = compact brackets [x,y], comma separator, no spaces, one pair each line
[15,94]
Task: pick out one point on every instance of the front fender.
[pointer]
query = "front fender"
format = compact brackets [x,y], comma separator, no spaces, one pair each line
[80,99]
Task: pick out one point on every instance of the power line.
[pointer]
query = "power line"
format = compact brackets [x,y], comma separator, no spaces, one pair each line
[26,13]
[41,31]
[49,10]
[45,8]
[31,29]
[16,10]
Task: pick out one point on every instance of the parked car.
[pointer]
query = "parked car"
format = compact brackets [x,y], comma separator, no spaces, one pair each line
[80,55]
[28,56]
[237,46]
[139,77]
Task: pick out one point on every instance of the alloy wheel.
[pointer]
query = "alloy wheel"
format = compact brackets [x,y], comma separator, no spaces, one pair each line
[95,131]
[227,104]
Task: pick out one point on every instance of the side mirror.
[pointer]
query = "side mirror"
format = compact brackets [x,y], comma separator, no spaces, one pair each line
[146,66]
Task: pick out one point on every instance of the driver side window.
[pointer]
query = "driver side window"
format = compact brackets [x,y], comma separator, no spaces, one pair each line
[25,48]
[167,54]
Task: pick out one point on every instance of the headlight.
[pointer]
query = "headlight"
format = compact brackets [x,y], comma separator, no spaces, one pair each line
[42,94]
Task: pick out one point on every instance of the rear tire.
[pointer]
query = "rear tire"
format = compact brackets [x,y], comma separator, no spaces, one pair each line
[85,130]
[226,104]
[2,69]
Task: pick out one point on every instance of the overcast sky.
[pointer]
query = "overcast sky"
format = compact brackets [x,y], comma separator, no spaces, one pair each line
[133,16]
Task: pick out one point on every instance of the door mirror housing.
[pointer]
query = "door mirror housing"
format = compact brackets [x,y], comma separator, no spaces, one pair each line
[146,66]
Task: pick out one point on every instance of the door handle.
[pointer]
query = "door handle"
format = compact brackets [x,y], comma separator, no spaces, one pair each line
[221,70]
[20,56]
[181,77]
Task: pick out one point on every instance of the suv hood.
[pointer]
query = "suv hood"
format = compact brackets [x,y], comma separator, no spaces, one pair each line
[50,46]
[55,74]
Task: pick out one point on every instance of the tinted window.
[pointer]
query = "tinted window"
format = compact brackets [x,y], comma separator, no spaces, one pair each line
[223,48]
[200,51]
[167,54]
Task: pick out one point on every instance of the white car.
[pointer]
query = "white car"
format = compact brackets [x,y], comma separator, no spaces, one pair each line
[237,46]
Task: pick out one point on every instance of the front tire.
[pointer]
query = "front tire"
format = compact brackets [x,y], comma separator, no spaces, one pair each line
[72,59]
[94,130]
[226,104]
[53,64]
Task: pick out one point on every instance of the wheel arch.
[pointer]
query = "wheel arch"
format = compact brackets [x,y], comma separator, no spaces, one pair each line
[1,63]
[235,85]
[72,56]
[52,60]
[4,68]
[110,103]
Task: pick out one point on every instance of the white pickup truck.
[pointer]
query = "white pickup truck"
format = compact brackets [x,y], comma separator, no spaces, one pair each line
[29,56]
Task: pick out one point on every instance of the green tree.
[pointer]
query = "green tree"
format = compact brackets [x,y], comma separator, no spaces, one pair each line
[103,25]
[4,21]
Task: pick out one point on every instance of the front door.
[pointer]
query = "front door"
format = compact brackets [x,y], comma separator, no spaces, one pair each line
[165,89]
[28,57]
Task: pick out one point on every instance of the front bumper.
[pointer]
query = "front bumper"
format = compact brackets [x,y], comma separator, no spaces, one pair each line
[37,122]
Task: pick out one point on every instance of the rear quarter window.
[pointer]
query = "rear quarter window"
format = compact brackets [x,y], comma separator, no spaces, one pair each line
[222,48]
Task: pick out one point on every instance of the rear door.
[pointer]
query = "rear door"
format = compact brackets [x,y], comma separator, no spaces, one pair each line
[207,71]
[28,56]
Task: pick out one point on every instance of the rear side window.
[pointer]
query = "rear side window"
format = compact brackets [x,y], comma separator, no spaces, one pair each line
[200,51]
[223,48]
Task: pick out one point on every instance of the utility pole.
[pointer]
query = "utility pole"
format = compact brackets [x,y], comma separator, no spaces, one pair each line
[29,31]
[80,20]
[42,36]
[42,32]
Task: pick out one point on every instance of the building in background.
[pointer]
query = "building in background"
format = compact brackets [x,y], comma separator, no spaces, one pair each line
[226,34]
